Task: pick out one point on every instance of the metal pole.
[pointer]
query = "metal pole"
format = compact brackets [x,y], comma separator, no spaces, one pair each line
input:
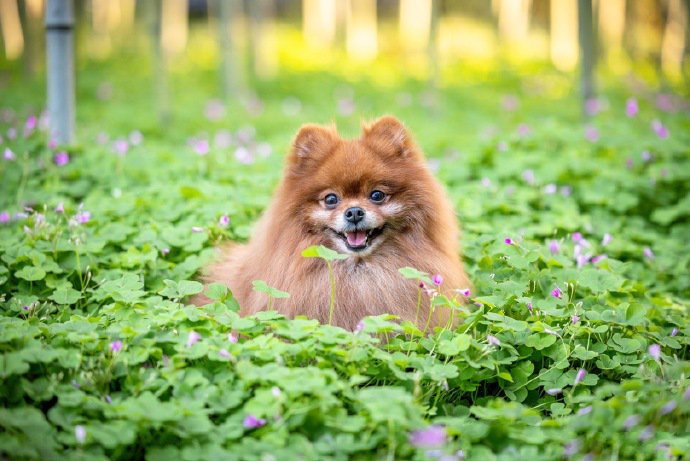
[587,55]
[59,21]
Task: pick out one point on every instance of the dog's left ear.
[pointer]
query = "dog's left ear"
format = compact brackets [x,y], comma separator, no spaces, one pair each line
[388,134]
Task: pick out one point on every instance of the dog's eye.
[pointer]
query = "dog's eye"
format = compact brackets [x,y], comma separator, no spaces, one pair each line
[377,196]
[331,200]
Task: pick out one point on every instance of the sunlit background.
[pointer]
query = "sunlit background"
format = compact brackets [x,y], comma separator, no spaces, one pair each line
[237,53]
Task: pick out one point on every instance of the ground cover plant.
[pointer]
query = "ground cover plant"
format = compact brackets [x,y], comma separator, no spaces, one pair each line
[574,343]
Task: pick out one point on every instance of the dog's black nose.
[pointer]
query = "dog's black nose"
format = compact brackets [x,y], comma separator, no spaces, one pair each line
[354,214]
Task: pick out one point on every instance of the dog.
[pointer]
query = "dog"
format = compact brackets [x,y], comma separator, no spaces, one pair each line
[373,199]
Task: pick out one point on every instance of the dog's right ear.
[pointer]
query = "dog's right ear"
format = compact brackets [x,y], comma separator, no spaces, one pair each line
[310,144]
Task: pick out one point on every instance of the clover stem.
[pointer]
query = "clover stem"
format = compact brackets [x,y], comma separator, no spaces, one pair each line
[270,302]
[331,277]
[419,304]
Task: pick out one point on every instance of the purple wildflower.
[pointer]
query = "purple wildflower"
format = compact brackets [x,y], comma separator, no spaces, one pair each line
[465,292]
[631,421]
[648,253]
[232,337]
[9,155]
[554,391]
[244,155]
[224,353]
[574,319]
[492,340]
[528,176]
[581,373]
[486,182]
[252,422]
[592,106]
[529,308]
[596,259]
[668,407]
[121,147]
[591,133]
[647,433]
[80,434]
[577,237]
[224,221]
[83,217]
[275,390]
[432,436]
[659,128]
[116,346]
[108,399]
[674,332]
[556,293]
[508,241]
[197,229]
[654,351]
[359,327]
[550,189]
[193,338]
[30,123]
[200,146]
[60,208]
[631,108]
[606,239]
[646,156]
[686,394]
[523,130]
[4,217]
[61,158]
[584,411]
[437,279]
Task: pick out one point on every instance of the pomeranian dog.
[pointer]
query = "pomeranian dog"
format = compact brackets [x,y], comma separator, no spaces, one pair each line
[372,198]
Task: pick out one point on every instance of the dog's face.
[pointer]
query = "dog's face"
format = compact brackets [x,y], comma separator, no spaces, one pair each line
[357,195]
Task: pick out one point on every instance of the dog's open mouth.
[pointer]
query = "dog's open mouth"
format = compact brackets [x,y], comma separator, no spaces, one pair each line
[359,239]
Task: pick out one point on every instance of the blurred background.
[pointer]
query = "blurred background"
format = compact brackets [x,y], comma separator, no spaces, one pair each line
[184,63]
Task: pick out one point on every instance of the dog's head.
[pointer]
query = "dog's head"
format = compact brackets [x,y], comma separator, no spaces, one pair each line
[356,195]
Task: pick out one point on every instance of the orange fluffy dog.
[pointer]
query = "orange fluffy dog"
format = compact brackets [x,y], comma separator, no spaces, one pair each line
[372,198]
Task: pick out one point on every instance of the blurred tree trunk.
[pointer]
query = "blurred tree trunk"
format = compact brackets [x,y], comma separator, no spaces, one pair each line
[432,51]
[263,55]
[563,34]
[32,14]
[160,71]
[231,73]
[361,29]
[319,22]
[59,21]
[587,53]
[415,25]
[611,18]
[11,26]
[513,20]
[674,38]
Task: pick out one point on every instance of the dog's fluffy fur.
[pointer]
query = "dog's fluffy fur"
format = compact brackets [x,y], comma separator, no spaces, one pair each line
[414,225]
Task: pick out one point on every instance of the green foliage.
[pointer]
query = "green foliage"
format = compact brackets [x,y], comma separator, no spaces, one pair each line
[96,334]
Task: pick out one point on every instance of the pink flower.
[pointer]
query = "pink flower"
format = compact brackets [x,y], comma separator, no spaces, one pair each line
[530,308]
[244,156]
[83,217]
[80,434]
[550,189]
[61,158]
[60,208]
[432,436]
[508,241]
[554,391]
[165,251]
[30,123]
[528,176]
[252,422]
[674,332]
[9,155]
[275,390]
[598,258]
[437,279]
[359,327]
[232,337]
[121,147]
[554,247]
[581,373]
[606,239]
[523,130]
[222,139]
[116,346]
[486,182]
[4,217]
[135,137]
[631,108]
[592,106]
[556,293]
[648,253]
[659,128]
[574,319]
[200,146]
[193,338]
[591,133]
[492,340]
[224,221]
[577,237]
[214,110]
[465,292]
[654,351]
[224,353]
[52,144]
[646,156]
[197,229]
[581,260]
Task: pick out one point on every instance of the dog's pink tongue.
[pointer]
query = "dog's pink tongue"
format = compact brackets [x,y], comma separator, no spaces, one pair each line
[356,238]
